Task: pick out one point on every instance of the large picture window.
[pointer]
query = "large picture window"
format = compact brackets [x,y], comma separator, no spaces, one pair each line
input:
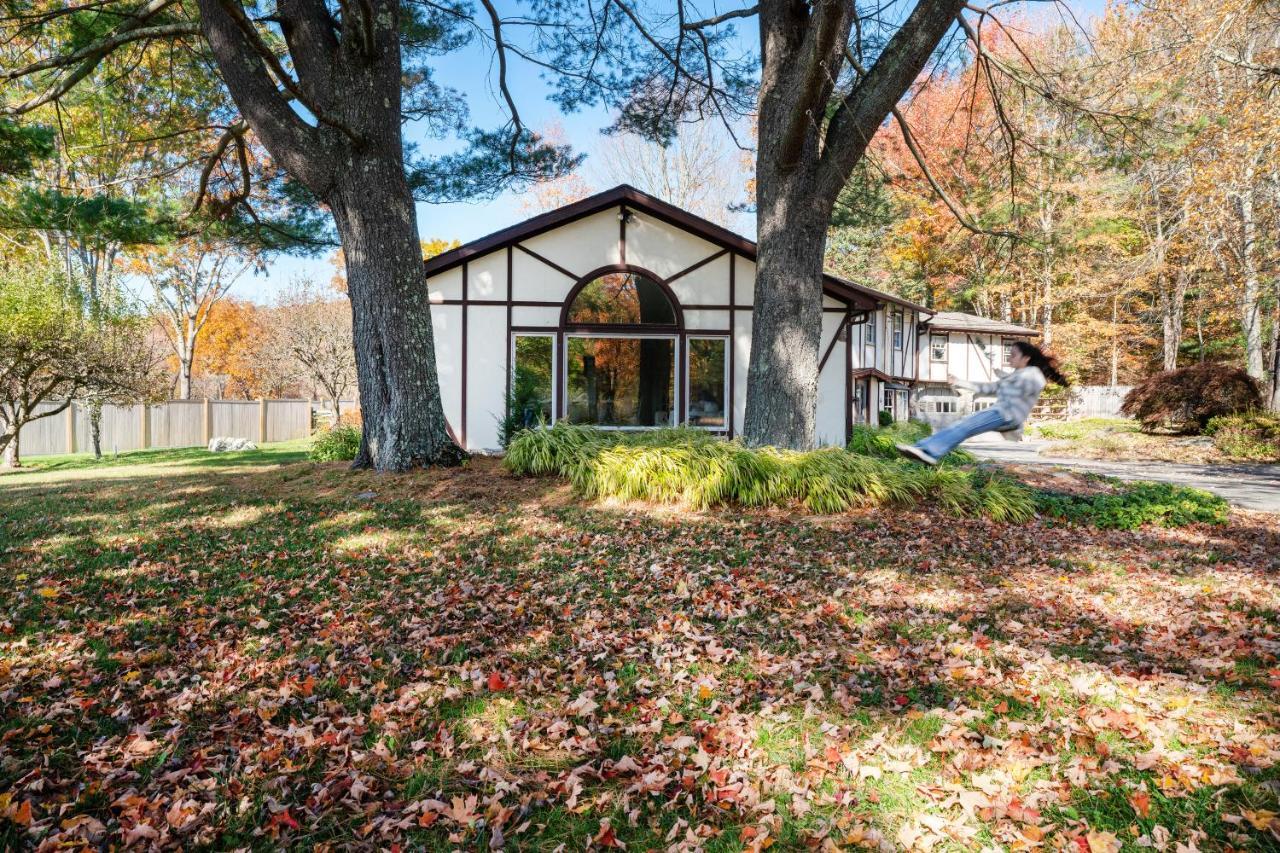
[620,381]
[532,385]
[708,382]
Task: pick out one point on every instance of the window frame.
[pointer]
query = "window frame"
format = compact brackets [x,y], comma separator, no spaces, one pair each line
[1006,350]
[934,337]
[676,367]
[555,364]
[899,330]
[688,386]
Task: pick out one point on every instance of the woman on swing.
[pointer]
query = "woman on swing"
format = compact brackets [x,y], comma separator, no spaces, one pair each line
[1016,394]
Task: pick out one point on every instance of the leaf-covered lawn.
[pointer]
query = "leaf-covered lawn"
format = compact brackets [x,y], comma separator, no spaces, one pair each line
[259,654]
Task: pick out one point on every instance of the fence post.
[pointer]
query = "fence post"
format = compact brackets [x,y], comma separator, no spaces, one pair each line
[207,431]
[71,428]
[262,420]
[146,426]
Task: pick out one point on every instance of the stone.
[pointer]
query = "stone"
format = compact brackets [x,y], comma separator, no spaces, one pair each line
[224,444]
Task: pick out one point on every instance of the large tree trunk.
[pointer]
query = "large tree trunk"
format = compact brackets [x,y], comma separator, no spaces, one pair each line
[11,459]
[786,325]
[404,423]
[353,159]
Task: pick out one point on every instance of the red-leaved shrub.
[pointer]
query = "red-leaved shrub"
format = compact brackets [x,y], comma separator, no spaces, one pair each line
[1184,400]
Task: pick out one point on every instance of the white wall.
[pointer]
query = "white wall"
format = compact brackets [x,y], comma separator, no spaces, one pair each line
[581,247]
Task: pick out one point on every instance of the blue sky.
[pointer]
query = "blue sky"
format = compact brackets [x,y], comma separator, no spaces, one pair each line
[472,72]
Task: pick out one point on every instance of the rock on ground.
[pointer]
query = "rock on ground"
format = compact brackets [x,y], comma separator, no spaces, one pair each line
[221,445]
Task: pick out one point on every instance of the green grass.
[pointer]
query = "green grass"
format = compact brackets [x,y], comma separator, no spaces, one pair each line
[1083,428]
[276,453]
[880,441]
[279,639]
[695,468]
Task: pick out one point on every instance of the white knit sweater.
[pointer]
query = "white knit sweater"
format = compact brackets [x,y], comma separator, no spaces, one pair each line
[1016,393]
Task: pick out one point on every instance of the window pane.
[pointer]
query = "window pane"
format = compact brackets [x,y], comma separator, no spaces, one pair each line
[706,382]
[621,381]
[938,347]
[622,297]
[531,380]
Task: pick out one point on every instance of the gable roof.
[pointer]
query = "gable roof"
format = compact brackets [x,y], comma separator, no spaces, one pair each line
[858,296]
[958,321]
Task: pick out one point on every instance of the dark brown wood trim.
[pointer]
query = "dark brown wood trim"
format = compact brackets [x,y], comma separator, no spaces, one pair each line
[462,421]
[518,303]
[699,265]
[509,341]
[831,346]
[848,386]
[531,253]
[560,364]
[733,344]
[635,200]
[536,330]
[665,330]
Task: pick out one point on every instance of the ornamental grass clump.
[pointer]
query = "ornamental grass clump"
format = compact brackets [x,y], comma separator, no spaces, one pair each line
[692,467]
[881,442]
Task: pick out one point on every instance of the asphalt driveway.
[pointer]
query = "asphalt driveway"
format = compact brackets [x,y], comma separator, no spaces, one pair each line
[1254,487]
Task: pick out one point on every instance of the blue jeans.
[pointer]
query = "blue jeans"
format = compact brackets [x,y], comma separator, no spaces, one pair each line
[945,440]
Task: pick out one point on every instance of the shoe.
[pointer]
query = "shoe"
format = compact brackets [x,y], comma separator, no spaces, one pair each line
[913,452]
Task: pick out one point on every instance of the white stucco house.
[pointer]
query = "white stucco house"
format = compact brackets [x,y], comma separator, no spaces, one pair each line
[624,311]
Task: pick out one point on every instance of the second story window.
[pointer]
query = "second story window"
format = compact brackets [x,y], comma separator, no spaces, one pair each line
[897,330]
[938,347]
[871,330]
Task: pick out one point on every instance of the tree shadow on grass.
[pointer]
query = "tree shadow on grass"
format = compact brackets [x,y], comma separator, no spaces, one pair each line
[280,640]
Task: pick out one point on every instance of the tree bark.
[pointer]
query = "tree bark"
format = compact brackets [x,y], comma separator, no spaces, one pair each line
[1250,297]
[353,160]
[11,459]
[1172,307]
[404,423]
[786,324]
[802,165]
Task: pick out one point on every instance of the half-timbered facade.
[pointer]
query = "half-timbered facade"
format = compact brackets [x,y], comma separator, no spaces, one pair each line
[626,312]
[622,311]
[966,346]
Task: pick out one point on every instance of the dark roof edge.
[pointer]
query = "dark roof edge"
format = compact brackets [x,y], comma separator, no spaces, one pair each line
[997,328]
[625,194]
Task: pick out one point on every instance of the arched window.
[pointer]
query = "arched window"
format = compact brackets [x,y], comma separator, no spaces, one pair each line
[621,331]
[621,298]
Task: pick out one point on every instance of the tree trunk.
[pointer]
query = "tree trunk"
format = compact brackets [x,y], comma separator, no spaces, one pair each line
[95,427]
[404,423]
[186,356]
[1172,306]
[786,330]
[1250,307]
[11,459]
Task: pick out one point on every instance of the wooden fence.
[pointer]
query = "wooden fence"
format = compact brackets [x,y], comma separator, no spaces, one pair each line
[1097,401]
[177,423]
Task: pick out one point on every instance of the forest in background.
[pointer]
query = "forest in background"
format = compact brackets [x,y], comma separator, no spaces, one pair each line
[1131,217]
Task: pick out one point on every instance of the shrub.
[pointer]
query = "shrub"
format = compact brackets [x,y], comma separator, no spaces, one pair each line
[1186,399]
[879,441]
[693,467]
[1136,504]
[335,444]
[884,418]
[1252,435]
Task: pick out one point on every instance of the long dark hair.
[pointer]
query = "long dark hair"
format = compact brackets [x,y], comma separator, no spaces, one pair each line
[1039,358]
